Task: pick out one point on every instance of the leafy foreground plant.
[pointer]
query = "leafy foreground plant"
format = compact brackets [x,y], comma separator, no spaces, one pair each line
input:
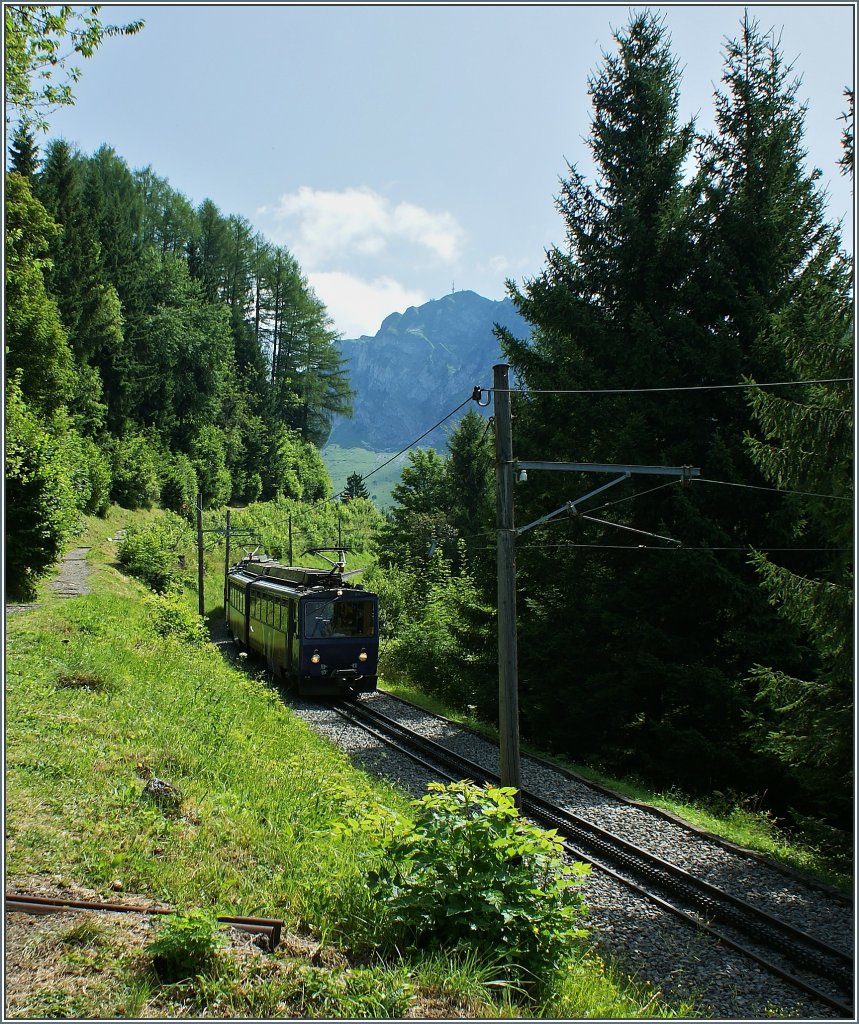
[186,945]
[469,872]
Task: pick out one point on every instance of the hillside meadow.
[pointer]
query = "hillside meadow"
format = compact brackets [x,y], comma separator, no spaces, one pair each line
[341,463]
[108,691]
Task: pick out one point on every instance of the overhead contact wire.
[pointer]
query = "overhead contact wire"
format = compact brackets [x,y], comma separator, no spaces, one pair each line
[423,435]
[645,391]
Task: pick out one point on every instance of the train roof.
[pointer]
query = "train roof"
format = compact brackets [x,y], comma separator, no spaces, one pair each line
[296,578]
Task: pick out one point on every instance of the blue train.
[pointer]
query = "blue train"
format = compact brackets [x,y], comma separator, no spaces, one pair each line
[314,629]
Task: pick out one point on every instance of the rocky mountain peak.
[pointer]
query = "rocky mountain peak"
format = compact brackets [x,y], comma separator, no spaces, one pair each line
[419,365]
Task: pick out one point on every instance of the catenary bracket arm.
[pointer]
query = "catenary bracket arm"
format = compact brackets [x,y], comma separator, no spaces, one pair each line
[570,506]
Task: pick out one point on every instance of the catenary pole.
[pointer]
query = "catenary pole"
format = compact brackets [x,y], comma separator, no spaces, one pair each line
[200,600]
[227,563]
[508,681]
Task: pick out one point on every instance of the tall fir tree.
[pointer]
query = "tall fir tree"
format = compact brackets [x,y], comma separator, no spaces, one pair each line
[650,648]
[355,487]
[803,442]
[23,151]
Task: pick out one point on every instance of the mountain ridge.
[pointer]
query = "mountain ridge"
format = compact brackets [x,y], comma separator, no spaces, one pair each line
[418,366]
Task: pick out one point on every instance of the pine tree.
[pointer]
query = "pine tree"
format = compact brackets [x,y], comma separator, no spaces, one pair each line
[623,638]
[23,150]
[355,487]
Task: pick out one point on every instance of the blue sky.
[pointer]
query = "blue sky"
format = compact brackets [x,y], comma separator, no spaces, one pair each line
[400,151]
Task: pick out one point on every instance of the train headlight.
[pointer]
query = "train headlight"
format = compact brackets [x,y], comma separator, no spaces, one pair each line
[362,656]
[315,658]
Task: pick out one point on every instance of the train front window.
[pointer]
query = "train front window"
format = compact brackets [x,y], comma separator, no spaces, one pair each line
[338,618]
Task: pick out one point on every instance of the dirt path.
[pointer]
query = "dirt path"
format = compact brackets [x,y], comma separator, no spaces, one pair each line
[71,579]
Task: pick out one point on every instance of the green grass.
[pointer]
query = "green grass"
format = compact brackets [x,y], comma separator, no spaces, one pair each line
[342,462]
[97,704]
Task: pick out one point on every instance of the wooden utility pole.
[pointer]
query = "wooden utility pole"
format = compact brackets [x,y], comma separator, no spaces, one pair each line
[508,672]
[200,601]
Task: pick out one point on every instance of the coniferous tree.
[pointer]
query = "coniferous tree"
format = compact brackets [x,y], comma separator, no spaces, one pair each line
[89,305]
[655,289]
[168,219]
[207,256]
[623,638]
[805,444]
[470,493]
[417,523]
[23,150]
[355,487]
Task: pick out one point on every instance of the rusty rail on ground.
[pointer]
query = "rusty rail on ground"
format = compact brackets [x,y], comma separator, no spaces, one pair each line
[266,927]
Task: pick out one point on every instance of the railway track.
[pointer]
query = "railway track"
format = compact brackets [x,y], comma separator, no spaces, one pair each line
[804,961]
[265,929]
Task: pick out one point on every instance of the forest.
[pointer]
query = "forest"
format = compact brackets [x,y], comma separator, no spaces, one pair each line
[698,312]
[153,348]
[711,651]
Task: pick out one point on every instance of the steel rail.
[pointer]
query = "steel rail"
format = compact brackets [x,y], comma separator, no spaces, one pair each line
[621,859]
[752,856]
[269,928]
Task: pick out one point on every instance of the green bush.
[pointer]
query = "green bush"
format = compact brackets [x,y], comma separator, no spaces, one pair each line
[98,466]
[208,456]
[179,485]
[470,872]
[135,472]
[152,552]
[41,500]
[89,470]
[186,945]
[436,631]
[171,617]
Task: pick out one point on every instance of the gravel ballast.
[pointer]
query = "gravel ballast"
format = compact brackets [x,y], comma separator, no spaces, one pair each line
[646,942]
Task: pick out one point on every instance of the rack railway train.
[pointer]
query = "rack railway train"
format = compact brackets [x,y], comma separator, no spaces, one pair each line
[314,629]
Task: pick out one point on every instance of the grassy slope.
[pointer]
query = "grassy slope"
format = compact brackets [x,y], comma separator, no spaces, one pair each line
[342,462]
[97,704]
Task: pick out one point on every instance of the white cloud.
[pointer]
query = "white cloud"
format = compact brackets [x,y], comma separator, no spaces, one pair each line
[326,225]
[358,306]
